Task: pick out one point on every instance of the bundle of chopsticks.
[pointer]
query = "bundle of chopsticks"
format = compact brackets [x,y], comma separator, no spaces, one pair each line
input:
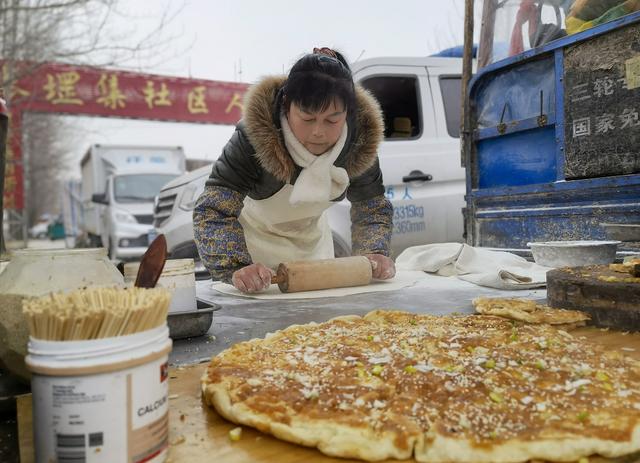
[94,313]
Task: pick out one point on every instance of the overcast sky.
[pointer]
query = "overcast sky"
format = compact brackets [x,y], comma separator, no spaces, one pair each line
[247,39]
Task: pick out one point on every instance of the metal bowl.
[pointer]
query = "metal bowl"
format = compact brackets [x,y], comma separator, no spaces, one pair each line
[573,253]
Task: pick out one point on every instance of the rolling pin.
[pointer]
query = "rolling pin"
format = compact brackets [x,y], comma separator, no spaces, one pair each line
[293,277]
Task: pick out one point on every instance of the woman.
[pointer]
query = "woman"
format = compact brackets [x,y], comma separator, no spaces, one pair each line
[305,142]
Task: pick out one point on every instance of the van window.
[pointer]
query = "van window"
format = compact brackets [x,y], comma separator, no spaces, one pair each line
[450,87]
[399,99]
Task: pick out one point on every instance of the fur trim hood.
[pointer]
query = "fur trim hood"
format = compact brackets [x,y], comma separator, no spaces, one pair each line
[265,135]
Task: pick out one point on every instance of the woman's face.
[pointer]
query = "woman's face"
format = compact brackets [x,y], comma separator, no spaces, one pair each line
[319,131]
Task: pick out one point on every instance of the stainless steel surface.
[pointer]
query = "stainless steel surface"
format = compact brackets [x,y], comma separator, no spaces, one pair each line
[241,319]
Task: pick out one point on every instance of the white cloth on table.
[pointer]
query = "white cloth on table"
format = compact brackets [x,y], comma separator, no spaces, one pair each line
[484,267]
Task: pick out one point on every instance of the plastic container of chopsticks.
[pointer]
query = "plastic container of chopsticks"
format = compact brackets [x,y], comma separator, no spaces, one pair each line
[101,400]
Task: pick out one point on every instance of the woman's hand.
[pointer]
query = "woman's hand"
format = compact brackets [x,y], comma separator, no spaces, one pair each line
[252,278]
[383,267]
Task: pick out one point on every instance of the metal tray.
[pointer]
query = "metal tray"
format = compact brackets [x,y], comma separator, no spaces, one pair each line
[193,323]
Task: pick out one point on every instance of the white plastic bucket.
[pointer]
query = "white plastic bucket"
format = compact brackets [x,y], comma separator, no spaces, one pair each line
[178,276]
[103,400]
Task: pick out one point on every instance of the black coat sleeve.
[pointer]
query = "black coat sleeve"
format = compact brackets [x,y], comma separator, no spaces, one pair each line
[367,185]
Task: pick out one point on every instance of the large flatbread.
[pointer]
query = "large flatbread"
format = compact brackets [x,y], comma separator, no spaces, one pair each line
[529,311]
[441,389]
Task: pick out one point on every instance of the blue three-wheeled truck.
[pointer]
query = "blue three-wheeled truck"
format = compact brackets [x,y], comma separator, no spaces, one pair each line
[553,124]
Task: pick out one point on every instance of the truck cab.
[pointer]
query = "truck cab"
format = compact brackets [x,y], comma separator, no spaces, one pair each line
[553,153]
[127,218]
[420,154]
[119,186]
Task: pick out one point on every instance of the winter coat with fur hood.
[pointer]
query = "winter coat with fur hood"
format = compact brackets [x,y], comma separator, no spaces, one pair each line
[256,163]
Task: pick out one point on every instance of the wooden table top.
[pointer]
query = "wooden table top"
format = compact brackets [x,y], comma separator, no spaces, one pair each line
[198,433]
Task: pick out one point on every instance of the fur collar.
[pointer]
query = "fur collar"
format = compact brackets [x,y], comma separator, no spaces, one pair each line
[266,137]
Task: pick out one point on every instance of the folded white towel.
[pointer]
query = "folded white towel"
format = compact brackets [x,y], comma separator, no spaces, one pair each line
[495,269]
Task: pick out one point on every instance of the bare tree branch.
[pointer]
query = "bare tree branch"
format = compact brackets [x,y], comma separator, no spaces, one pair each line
[51,6]
[81,32]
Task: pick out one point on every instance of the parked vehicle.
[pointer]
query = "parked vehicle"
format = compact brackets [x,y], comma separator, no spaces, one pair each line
[554,148]
[419,158]
[420,155]
[39,230]
[173,214]
[119,184]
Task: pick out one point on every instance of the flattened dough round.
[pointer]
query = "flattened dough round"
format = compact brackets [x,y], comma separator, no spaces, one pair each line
[402,279]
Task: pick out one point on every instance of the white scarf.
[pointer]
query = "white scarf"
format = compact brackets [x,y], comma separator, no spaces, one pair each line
[319,179]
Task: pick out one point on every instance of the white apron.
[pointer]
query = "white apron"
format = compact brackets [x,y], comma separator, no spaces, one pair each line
[276,231]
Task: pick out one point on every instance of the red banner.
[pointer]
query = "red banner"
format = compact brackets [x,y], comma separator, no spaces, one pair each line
[65,89]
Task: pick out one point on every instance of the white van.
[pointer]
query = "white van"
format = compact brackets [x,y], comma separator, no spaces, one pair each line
[119,183]
[419,158]
[173,214]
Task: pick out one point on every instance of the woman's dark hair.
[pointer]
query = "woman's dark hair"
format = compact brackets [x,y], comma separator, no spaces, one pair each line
[318,79]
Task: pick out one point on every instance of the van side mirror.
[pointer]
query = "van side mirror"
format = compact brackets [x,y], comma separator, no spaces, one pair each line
[100,198]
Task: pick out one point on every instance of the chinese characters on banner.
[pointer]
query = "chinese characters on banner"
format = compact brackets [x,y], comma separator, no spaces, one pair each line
[78,90]
[63,89]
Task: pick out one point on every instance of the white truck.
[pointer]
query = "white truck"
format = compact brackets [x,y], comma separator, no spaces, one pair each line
[419,158]
[119,184]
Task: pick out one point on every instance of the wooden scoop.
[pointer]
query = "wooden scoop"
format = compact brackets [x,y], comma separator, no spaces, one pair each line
[152,263]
